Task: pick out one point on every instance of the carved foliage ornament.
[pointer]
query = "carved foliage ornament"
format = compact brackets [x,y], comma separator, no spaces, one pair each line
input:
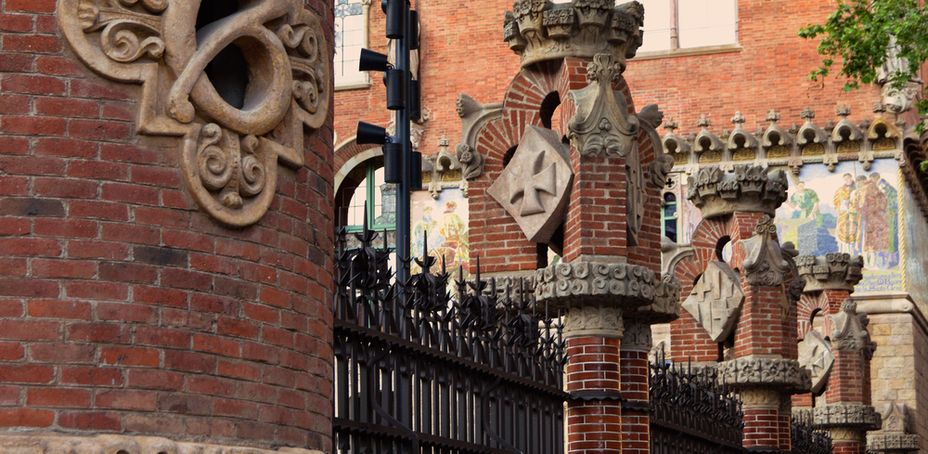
[602,123]
[230,137]
[764,264]
[594,282]
[767,372]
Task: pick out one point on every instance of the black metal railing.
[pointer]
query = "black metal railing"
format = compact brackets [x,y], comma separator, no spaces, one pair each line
[691,412]
[423,369]
[807,439]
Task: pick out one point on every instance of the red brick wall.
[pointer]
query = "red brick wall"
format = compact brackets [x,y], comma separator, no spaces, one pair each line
[125,309]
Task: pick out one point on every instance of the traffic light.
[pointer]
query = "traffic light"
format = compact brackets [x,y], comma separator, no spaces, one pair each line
[402,164]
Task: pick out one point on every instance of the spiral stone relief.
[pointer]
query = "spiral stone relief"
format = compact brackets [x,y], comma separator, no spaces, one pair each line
[232,127]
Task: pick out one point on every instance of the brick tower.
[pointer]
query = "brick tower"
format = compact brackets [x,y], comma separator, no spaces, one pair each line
[165,226]
[740,310]
[570,166]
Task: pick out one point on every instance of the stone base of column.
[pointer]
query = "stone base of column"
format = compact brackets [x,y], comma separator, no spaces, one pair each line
[45,443]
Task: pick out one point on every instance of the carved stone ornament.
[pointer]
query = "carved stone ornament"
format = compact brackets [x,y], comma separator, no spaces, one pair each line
[637,336]
[837,271]
[747,189]
[665,307]
[863,417]
[590,282]
[816,356]
[534,187]
[765,372]
[230,137]
[895,417]
[40,443]
[602,320]
[892,442]
[539,30]
[715,301]
[756,398]
[602,124]
[764,263]
[849,332]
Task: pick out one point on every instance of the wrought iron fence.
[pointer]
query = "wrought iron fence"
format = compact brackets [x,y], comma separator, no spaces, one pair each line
[423,369]
[807,439]
[691,412]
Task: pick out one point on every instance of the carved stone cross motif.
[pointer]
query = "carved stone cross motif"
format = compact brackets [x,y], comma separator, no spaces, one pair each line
[815,354]
[715,301]
[533,188]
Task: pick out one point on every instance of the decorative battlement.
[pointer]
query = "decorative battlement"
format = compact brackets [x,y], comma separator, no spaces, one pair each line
[836,271]
[747,189]
[539,30]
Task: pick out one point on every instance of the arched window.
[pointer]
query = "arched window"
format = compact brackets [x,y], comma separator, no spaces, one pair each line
[364,192]
[669,216]
[350,38]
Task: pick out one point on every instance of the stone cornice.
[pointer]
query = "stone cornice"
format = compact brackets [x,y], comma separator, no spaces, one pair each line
[765,372]
[836,271]
[898,442]
[591,281]
[863,417]
[745,189]
[538,30]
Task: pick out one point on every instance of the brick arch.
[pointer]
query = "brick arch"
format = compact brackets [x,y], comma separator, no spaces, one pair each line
[349,155]
[808,304]
[707,235]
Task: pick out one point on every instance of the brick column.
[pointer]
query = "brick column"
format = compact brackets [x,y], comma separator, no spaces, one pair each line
[636,344]
[844,407]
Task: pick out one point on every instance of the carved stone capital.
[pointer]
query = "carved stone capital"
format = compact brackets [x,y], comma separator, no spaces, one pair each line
[600,320]
[746,189]
[766,372]
[836,271]
[41,443]
[862,417]
[538,30]
[637,336]
[892,442]
[230,140]
[590,282]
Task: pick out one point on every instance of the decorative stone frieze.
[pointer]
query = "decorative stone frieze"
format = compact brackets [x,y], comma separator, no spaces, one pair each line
[587,281]
[849,330]
[815,355]
[534,187]
[746,189]
[230,139]
[760,398]
[837,271]
[764,262]
[602,124]
[39,443]
[715,302]
[600,320]
[637,336]
[665,307]
[846,416]
[538,30]
[892,442]
[765,372]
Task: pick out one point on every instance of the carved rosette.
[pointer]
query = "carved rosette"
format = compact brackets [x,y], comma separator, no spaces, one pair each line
[765,372]
[599,320]
[862,417]
[229,149]
[538,30]
[836,271]
[588,282]
[746,189]
[39,443]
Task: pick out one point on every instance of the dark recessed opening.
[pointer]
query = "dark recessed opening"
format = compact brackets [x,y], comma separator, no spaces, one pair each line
[508,155]
[548,106]
[723,249]
[229,70]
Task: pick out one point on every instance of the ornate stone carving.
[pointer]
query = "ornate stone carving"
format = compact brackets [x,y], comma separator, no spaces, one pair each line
[715,301]
[747,189]
[651,118]
[775,135]
[473,117]
[760,398]
[664,309]
[590,281]
[837,271]
[539,30]
[845,131]
[230,140]
[741,138]
[892,442]
[895,417]
[849,330]
[604,320]
[534,187]
[765,372]
[637,336]
[897,97]
[816,356]
[602,124]
[843,415]
[471,161]
[764,263]
[41,443]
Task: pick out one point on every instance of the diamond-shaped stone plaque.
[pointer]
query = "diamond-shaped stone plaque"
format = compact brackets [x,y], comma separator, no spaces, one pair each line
[534,187]
[815,354]
[715,301]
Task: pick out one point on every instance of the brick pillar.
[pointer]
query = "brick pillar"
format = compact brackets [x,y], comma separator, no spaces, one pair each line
[636,344]
[165,274]
[844,407]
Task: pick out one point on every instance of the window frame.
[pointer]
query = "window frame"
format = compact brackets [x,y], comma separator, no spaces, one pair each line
[365,80]
[676,50]
[370,188]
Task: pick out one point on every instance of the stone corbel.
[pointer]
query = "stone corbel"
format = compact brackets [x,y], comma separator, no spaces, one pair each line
[740,138]
[811,138]
[229,155]
[748,189]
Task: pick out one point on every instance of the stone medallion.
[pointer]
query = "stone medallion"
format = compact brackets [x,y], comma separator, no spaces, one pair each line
[235,83]
[715,301]
[816,356]
[534,187]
